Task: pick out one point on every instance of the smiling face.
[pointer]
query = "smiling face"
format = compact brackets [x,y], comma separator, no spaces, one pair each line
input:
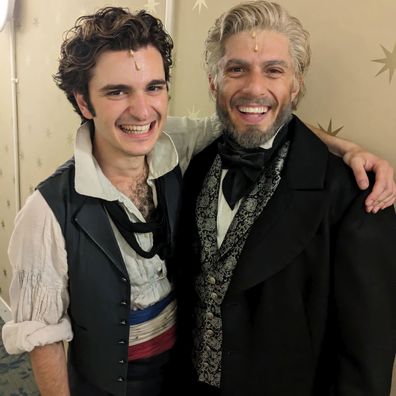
[255,92]
[129,96]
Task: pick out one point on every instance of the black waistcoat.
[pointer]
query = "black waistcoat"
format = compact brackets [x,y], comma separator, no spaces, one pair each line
[99,286]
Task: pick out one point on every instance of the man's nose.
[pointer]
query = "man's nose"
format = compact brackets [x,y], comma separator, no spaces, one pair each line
[256,84]
[139,106]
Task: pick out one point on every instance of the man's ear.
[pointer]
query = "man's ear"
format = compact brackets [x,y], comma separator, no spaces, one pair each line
[212,85]
[297,84]
[83,105]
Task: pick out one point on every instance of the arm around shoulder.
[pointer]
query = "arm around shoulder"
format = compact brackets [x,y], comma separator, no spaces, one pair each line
[192,135]
[361,161]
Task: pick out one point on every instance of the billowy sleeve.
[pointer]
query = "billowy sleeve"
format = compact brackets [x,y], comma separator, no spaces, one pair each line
[38,291]
[191,135]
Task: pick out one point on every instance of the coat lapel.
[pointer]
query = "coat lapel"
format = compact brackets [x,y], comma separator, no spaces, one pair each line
[292,216]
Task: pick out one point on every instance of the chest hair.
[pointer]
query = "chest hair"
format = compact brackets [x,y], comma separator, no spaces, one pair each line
[142,197]
[140,193]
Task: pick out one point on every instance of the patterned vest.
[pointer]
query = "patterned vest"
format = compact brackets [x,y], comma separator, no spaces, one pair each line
[217,265]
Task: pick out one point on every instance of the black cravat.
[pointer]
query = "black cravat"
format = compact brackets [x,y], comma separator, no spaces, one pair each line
[244,166]
[158,226]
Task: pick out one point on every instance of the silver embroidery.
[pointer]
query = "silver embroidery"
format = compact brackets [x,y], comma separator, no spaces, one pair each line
[218,264]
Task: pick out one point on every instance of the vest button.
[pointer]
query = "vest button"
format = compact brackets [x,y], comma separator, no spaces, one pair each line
[123,322]
[120,379]
[121,361]
[121,342]
[211,280]
[123,303]
[123,279]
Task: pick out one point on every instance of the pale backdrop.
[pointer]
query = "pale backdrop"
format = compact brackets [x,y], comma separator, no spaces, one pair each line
[347,90]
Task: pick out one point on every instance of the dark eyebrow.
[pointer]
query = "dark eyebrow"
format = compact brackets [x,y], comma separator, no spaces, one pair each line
[114,87]
[124,87]
[157,82]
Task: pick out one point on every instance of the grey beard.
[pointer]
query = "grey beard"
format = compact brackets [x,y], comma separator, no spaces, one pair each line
[253,137]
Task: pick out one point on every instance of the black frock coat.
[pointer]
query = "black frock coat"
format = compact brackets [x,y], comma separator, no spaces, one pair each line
[311,307]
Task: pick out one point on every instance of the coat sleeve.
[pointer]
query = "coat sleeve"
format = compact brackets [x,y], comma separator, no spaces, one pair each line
[365,301]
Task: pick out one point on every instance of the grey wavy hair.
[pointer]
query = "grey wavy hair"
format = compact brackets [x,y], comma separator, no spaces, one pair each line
[261,15]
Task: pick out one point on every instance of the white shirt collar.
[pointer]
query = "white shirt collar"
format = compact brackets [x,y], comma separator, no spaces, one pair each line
[89,178]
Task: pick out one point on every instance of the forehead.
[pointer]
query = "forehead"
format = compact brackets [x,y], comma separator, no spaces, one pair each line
[122,66]
[257,44]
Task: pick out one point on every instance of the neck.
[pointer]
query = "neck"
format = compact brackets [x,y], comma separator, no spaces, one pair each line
[121,167]
[125,170]
[131,180]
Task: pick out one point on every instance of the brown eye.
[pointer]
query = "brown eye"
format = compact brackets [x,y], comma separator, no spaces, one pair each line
[154,88]
[116,93]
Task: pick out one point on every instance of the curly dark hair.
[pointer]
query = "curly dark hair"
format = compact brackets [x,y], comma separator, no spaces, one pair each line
[109,29]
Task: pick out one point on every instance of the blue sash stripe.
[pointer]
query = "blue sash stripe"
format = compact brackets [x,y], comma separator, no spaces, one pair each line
[143,315]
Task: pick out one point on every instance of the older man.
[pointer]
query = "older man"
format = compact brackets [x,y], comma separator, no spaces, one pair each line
[292,283]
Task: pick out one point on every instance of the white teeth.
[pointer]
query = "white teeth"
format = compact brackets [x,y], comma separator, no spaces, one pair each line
[255,110]
[135,129]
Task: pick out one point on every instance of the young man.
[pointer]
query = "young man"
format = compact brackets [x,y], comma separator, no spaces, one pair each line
[292,283]
[91,244]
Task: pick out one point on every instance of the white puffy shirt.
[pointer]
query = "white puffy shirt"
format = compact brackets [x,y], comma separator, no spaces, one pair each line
[38,291]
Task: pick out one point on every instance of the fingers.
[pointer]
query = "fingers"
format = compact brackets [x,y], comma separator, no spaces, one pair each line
[383,194]
[384,189]
[374,205]
[358,167]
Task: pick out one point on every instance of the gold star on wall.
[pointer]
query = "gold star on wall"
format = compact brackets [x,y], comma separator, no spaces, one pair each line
[329,129]
[389,62]
[199,4]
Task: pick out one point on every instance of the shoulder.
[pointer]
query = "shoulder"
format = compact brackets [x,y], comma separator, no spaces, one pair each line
[34,211]
[36,230]
[344,194]
[59,192]
[204,158]
[311,166]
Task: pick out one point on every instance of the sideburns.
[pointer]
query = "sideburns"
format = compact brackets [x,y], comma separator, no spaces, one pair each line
[89,104]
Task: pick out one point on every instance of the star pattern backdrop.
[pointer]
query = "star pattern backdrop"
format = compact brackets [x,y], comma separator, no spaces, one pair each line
[351,85]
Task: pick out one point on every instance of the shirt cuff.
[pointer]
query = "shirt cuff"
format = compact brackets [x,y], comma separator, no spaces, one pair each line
[25,336]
